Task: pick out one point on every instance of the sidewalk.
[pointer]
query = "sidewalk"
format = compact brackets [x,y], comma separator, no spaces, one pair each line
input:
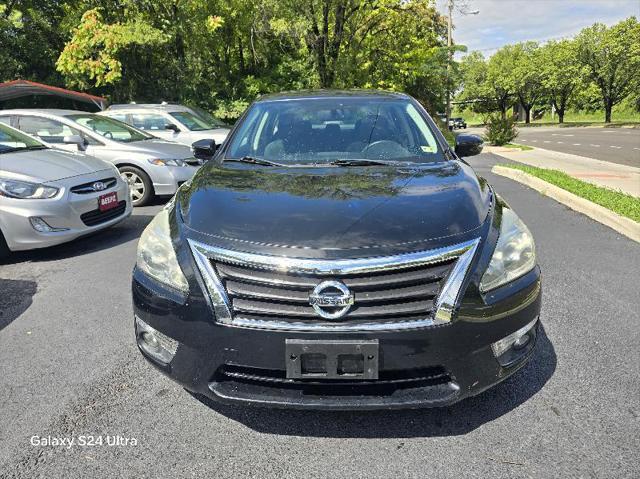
[597,172]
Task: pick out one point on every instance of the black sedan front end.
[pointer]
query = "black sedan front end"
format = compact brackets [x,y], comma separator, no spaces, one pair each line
[336,286]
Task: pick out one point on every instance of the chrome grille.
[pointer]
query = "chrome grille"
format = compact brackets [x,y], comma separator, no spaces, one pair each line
[259,295]
[86,188]
[397,292]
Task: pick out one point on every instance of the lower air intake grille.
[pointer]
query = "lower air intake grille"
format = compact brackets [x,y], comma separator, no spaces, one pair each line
[96,217]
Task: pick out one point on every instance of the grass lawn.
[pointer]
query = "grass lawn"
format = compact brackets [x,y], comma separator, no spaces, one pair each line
[618,202]
[517,146]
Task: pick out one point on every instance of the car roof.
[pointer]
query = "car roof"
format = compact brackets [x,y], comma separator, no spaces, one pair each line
[314,94]
[147,106]
[44,111]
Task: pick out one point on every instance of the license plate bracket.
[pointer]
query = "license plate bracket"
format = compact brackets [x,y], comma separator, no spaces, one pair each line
[332,359]
[108,201]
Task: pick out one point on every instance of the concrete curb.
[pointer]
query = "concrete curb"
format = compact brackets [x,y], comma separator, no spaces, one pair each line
[622,225]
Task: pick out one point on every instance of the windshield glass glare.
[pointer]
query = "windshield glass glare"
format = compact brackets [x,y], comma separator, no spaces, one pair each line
[191,121]
[13,140]
[110,128]
[324,130]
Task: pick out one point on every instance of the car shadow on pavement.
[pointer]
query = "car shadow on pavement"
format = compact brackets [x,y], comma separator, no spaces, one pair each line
[127,230]
[16,296]
[454,420]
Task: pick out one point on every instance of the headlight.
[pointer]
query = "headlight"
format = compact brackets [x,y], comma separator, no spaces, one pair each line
[156,256]
[26,190]
[514,255]
[161,162]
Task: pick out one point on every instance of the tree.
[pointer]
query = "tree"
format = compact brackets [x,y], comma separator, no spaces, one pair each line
[525,75]
[612,58]
[91,56]
[500,85]
[561,73]
[476,92]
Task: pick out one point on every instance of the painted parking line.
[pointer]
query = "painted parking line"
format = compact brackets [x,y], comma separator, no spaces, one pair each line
[547,141]
[597,146]
[559,134]
[636,148]
[559,142]
[576,144]
[613,146]
[534,141]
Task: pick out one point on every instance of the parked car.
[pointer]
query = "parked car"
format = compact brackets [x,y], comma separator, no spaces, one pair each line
[49,196]
[459,123]
[340,255]
[150,165]
[171,122]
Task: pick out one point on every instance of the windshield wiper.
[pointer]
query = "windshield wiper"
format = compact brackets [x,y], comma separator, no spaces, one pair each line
[254,161]
[363,162]
[24,148]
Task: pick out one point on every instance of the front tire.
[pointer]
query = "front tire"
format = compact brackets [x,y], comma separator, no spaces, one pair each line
[140,186]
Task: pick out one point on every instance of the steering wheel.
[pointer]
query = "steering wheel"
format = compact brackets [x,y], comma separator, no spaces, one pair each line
[108,134]
[385,148]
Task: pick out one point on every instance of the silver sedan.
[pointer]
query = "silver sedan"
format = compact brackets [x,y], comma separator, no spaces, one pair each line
[49,196]
[151,166]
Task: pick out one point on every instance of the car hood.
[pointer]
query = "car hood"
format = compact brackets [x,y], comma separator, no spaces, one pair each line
[158,149]
[334,209]
[50,165]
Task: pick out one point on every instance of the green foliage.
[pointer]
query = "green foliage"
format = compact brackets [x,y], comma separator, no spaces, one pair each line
[596,70]
[500,131]
[561,73]
[618,202]
[221,55]
[612,59]
[92,54]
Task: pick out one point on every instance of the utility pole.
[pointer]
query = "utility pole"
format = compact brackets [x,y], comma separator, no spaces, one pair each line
[449,57]
[463,11]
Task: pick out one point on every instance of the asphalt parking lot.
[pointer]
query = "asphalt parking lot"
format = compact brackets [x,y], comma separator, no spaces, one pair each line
[70,367]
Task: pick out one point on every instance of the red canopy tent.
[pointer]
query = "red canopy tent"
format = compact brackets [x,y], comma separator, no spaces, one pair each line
[20,88]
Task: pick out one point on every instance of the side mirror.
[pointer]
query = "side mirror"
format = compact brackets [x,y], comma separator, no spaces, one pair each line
[77,140]
[468,145]
[204,149]
[172,127]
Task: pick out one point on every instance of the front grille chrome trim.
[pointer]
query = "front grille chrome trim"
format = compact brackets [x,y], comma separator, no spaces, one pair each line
[445,304]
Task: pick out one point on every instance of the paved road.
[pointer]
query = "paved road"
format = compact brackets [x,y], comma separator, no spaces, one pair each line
[618,145]
[70,367]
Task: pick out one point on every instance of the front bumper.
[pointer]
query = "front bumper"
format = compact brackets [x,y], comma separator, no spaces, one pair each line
[167,179]
[423,367]
[64,212]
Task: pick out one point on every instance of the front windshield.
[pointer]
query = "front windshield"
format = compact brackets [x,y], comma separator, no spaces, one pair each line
[208,117]
[191,121]
[13,140]
[327,129]
[110,128]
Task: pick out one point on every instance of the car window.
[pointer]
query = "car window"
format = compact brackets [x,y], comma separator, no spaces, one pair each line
[5,120]
[319,130]
[191,121]
[110,128]
[120,117]
[12,140]
[149,121]
[47,129]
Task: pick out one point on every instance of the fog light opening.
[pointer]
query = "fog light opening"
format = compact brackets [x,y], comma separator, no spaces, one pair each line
[42,226]
[158,346]
[513,347]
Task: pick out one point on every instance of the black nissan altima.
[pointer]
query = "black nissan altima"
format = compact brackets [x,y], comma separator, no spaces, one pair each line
[336,253]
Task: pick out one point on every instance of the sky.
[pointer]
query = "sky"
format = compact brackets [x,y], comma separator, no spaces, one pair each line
[501,22]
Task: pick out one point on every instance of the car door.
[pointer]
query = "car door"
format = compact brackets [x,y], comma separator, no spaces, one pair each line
[154,124]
